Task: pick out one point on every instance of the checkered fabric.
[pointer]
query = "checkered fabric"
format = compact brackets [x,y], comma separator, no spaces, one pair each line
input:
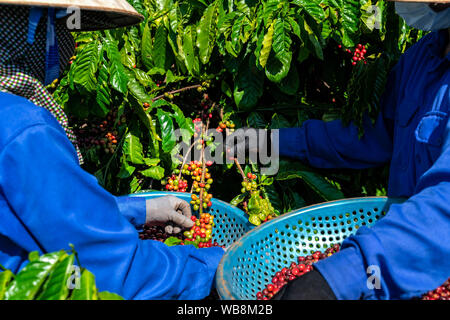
[22,66]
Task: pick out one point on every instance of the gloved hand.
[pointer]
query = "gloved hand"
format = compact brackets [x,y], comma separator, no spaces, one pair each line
[245,141]
[169,211]
[310,286]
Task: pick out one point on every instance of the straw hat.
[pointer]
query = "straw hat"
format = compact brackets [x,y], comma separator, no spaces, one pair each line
[95,14]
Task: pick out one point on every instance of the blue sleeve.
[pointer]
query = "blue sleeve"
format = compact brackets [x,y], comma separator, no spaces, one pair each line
[410,246]
[333,145]
[133,209]
[61,204]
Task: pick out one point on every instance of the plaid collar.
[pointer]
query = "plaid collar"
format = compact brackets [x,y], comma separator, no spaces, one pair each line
[14,81]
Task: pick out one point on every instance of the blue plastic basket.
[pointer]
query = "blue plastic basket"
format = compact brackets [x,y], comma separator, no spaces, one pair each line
[251,262]
[231,223]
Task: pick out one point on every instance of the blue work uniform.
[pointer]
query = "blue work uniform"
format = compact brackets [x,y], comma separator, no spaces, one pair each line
[47,201]
[411,244]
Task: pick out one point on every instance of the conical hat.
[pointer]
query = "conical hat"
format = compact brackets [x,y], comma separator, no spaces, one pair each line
[94,14]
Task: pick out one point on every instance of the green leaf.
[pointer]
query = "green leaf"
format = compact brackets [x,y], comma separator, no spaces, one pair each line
[55,288]
[144,79]
[138,91]
[147,47]
[192,243]
[132,149]
[183,123]
[128,56]
[191,60]
[172,241]
[160,48]
[87,290]
[278,122]
[29,280]
[167,130]
[350,13]
[266,46]
[254,205]
[293,200]
[206,33]
[313,8]
[291,83]
[105,295]
[118,78]
[294,170]
[238,199]
[125,170]
[5,279]
[256,120]
[84,69]
[155,172]
[316,46]
[248,86]
[103,96]
[151,162]
[280,59]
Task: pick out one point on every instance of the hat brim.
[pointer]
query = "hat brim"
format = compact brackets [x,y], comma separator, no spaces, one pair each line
[94,14]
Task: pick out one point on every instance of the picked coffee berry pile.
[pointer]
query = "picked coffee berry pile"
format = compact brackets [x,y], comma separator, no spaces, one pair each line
[304,265]
[441,293]
[156,233]
[200,235]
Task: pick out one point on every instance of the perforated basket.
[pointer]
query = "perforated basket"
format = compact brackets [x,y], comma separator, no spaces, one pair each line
[231,223]
[251,262]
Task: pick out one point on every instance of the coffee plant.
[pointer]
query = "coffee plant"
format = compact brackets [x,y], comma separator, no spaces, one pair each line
[47,277]
[227,64]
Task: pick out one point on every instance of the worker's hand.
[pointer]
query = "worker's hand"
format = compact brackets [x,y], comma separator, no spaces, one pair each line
[244,142]
[310,286]
[169,211]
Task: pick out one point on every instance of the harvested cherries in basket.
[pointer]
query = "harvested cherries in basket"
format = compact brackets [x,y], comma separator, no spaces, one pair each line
[200,235]
[304,264]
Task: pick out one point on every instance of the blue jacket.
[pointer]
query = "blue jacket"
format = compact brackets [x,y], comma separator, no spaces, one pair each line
[411,244]
[47,201]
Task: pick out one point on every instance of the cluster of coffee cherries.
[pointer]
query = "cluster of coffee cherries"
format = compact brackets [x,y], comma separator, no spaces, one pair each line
[160,83]
[358,54]
[100,134]
[303,265]
[195,170]
[205,202]
[250,184]
[201,232]
[173,183]
[441,293]
[201,237]
[204,87]
[223,125]
[206,103]
[202,139]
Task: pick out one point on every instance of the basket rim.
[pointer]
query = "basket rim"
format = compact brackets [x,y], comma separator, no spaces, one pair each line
[221,284]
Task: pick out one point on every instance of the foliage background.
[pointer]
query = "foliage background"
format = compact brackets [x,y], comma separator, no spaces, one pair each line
[270,63]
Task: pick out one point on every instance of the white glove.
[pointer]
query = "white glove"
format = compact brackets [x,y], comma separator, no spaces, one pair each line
[169,211]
